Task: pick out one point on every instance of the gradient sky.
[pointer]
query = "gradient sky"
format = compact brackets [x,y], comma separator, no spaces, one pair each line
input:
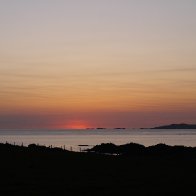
[89,63]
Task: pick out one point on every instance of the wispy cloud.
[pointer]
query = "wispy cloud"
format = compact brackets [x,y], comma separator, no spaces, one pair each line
[185,69]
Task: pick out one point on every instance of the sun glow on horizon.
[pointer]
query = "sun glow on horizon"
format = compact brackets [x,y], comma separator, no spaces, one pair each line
[75,125]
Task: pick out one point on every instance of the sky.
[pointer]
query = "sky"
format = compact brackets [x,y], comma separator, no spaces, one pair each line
[89,63]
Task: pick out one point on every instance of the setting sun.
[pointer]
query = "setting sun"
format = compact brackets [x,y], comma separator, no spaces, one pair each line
[76,125]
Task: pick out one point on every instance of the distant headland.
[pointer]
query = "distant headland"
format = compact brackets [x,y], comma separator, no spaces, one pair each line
[176,126]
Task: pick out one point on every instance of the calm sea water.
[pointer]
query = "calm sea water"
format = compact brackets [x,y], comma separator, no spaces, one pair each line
[75,139]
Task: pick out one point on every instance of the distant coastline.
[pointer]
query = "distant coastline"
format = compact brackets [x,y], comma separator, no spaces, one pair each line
[176,126]
[170,126]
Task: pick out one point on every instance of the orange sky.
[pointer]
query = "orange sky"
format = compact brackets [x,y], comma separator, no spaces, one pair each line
[72,64]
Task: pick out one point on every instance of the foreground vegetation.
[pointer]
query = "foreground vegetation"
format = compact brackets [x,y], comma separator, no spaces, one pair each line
[37,170]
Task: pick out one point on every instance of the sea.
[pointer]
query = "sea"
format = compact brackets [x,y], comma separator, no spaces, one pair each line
[78,140]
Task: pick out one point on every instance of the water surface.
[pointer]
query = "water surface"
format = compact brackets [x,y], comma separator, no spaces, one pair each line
[72,139]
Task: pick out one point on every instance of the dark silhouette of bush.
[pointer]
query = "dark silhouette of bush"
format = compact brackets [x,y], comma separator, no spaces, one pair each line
[110,148]
[131,149]
[105,148]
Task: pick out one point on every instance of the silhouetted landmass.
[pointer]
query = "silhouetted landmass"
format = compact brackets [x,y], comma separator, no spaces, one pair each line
[119,128]
[109,148]
[140,150]
[176,126]
[100,128]
[39,170]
